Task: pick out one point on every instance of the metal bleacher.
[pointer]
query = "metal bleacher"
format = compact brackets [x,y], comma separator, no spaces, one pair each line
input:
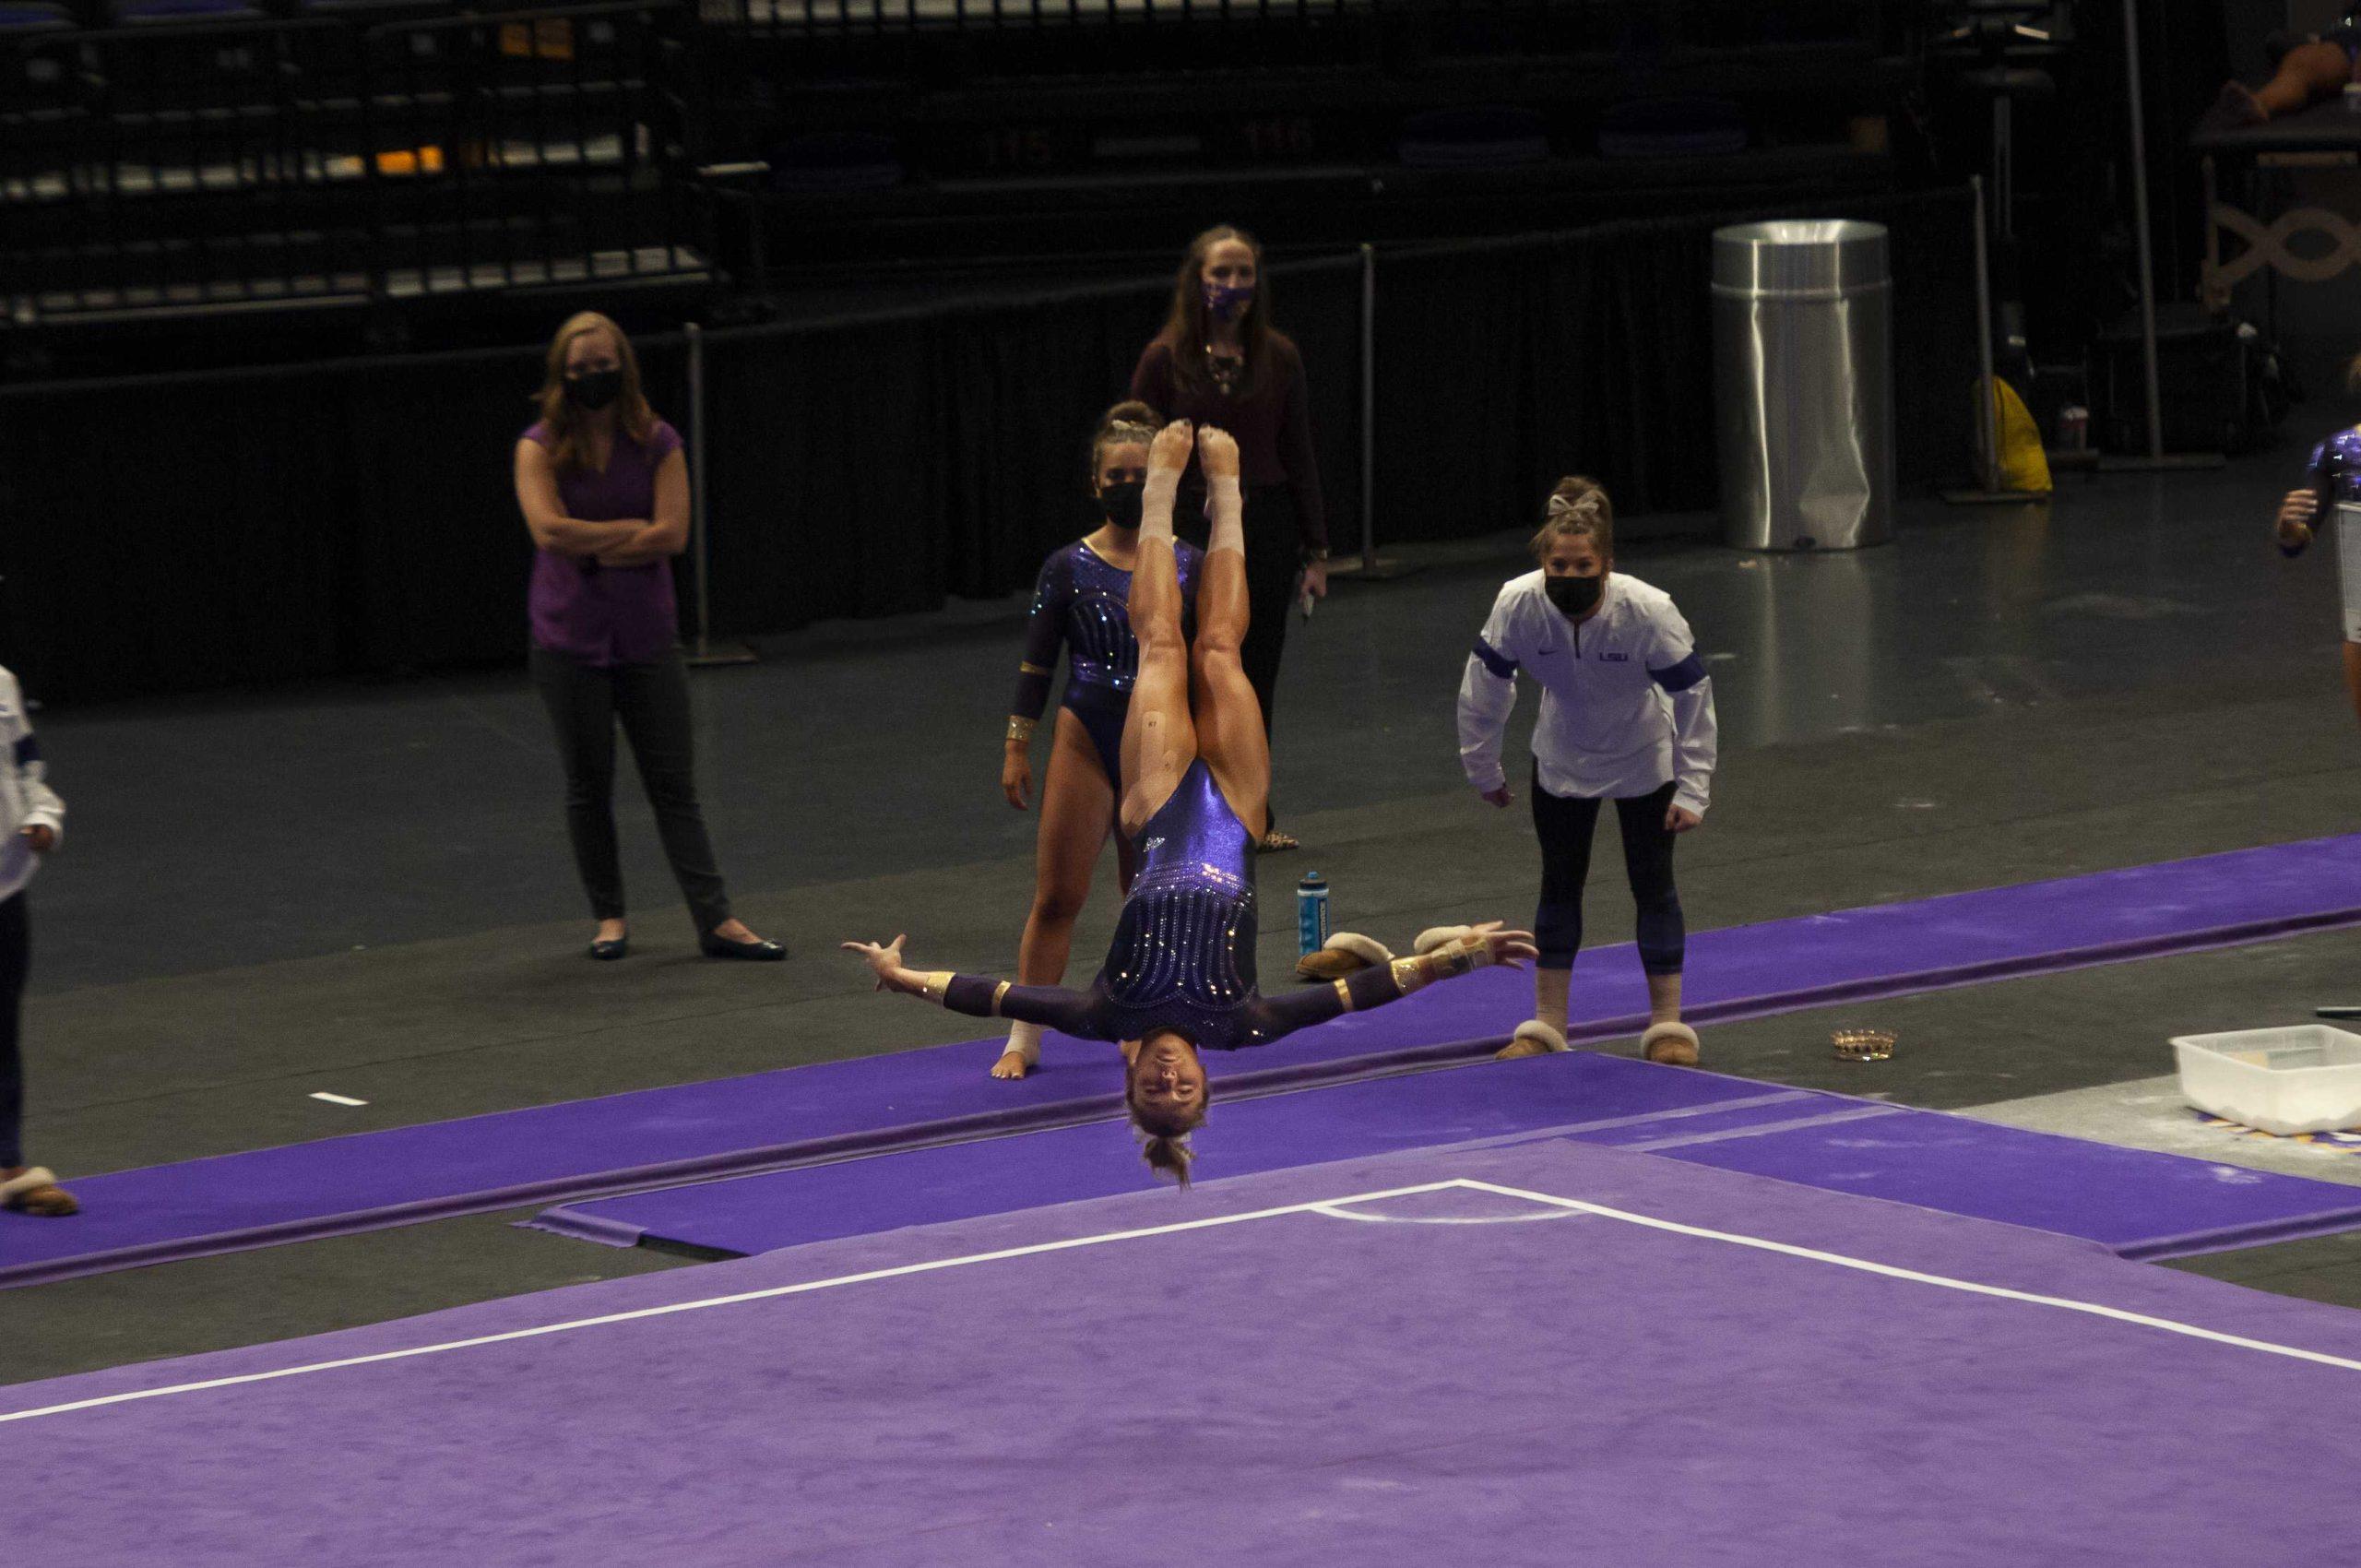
[168,160]
[178,156]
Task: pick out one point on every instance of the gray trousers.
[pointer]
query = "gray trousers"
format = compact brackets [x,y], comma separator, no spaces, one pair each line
[651,702]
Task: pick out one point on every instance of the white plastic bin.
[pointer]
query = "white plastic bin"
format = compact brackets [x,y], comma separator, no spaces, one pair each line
[2302,1079]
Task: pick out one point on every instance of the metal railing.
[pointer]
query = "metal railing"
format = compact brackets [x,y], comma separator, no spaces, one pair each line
[341,159]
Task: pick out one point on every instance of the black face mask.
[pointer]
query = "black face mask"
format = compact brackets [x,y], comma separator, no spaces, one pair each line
[1575,595]
[1121,502]
[594,390]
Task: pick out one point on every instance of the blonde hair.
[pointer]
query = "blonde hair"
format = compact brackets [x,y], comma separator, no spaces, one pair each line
[1164,1133]
[1130,421]
[562,420]
[1579,504]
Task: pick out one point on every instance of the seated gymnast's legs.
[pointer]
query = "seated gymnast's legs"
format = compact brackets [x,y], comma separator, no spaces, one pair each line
[2307,73]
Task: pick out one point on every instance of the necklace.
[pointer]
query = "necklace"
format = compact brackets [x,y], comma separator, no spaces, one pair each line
[1226,369]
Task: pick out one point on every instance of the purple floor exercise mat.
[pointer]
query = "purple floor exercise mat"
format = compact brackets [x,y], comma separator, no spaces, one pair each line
[2130,1201]
[585,1148]
[1542,1354]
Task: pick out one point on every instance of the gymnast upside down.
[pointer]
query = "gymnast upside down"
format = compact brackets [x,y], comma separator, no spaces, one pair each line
[1180,974]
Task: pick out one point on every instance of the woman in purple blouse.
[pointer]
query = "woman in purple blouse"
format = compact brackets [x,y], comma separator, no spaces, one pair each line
[605,493]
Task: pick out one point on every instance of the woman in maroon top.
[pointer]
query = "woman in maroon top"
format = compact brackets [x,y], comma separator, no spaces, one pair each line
[605,493]
[1220,362]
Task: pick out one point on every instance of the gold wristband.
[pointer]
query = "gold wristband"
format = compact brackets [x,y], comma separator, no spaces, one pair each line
[1345,995]
[937,986]
[999,992]
[1020,731]
[1409,974]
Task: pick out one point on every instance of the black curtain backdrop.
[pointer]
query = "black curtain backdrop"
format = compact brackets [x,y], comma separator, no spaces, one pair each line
[173,534]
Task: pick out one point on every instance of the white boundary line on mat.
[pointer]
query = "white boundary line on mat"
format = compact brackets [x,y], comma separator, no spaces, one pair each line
[1893,1272]
[1325,1206]
[774,1292]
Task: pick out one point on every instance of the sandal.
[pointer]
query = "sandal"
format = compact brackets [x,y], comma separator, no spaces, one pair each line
[1347,953]
[1671,1045]
[37,1193]
[1533,1037]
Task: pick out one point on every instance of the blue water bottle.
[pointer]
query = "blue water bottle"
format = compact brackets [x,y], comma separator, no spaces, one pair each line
[1310,914]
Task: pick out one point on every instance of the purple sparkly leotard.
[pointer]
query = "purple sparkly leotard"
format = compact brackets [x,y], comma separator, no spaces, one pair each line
[1183,953]
[1086,603]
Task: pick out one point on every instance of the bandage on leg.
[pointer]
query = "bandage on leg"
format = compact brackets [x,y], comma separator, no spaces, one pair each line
[1549,989]
[1025,1046]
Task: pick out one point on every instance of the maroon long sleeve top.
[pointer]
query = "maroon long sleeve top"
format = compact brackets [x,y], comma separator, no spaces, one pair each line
[1273,426]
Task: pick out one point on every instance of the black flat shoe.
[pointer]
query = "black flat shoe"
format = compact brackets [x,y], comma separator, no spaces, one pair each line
[758,951]
[607,952]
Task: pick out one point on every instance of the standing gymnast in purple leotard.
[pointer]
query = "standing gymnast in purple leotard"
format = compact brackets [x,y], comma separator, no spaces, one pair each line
[1196,772]
[1083,601]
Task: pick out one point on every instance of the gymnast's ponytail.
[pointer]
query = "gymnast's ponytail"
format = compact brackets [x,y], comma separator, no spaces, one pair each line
[1169,1156]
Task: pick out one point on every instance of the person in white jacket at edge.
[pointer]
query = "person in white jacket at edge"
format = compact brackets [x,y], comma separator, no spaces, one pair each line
[32,820]
[1627,714]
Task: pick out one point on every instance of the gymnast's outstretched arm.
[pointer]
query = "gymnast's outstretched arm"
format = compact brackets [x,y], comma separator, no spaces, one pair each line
[1293,1010]
[980,996]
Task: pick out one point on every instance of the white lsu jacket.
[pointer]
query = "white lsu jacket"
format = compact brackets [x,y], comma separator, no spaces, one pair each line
[25,799]
[1626,704]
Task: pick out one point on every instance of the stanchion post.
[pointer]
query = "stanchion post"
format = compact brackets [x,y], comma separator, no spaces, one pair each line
[1371,567]
[696,488]
[704,652]
[2151,381]
[1987,491]
[1369,407]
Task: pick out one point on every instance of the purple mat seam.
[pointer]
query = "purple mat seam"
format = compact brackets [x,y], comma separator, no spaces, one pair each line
[1250,1085]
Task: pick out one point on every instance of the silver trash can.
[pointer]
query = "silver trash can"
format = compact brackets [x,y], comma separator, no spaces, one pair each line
[1803,380]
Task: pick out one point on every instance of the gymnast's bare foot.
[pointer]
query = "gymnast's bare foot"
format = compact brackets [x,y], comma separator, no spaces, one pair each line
[1168,453]
[1014,1063]
[1217,450]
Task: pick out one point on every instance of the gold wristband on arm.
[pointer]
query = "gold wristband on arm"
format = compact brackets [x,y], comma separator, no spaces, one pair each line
[936,986]
[1020,731]
[1409,974]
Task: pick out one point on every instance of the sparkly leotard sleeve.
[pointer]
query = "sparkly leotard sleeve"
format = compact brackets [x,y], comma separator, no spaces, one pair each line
[1083,602]
[1183,953]
[1044,630]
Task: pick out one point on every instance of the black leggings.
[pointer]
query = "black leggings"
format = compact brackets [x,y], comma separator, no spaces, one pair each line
[652,703]
[16,952]
[1566,826]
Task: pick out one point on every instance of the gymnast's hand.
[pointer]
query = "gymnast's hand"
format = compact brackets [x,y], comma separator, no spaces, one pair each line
[1681,819]
[885,963]
[1489,943]
[1017,775]
[2296,515]
[1217,449]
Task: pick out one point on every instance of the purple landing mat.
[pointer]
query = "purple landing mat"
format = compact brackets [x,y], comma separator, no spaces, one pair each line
[2130,1201]
[1378,1360]
[768,1120]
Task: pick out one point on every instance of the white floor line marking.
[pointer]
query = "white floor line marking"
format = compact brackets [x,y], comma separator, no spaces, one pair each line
[1795,1125]
[1335,1212]
[1892,1271]
[807,1287]
[336,1098]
